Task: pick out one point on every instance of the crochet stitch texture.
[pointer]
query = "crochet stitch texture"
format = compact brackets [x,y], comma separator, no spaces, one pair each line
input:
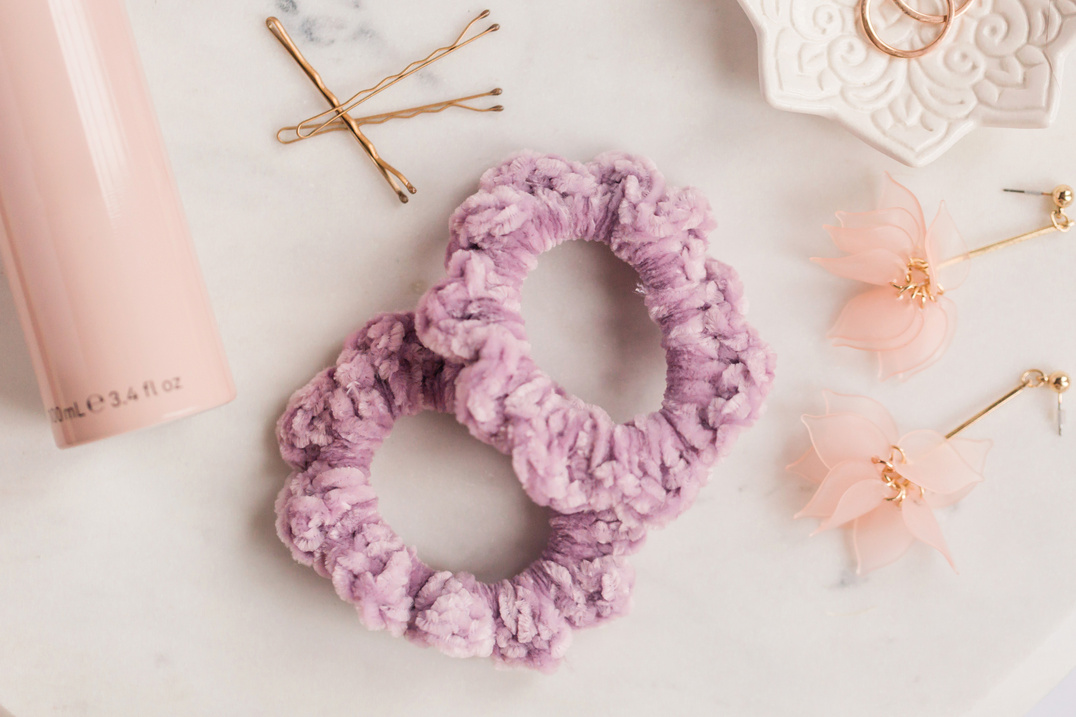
[465,352]
[571,455]
[328,516]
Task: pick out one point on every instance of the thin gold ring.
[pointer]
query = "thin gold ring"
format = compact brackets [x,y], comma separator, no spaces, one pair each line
[1062,222]
[872,34]
[928,17]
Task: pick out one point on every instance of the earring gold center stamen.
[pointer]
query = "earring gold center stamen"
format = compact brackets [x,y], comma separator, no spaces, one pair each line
[896,482]
[918,283]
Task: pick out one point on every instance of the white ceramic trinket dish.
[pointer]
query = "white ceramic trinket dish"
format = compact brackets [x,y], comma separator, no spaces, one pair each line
[1000,66]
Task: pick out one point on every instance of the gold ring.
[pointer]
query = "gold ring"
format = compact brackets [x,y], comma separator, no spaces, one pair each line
[927,17]
[872,34]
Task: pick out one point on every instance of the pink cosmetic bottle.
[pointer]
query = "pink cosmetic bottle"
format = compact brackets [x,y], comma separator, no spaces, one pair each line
[93,238]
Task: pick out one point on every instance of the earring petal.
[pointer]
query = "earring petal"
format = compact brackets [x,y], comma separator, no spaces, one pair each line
[924,526]
[927,347]
[858,500]
[880,538]
[943,243]
[843,437]
[877,321]
[868,408]
[891,229]
[879,219]
[935,465]
[838,482]
[896,195]
[810,467]
[874,266]
[972,452]
[940,500]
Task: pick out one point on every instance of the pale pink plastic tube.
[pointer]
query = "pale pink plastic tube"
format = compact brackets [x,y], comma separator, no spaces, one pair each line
[93,237]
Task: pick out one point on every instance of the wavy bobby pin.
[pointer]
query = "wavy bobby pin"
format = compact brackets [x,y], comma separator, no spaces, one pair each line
[339,117]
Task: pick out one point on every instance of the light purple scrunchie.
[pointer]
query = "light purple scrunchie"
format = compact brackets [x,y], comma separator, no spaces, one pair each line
[328,516]
[571,455]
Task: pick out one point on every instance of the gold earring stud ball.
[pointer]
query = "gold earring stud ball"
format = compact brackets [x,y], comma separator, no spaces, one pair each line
[1063,196]
[1060,382]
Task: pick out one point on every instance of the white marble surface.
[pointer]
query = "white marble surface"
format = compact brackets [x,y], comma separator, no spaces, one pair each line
[142,575]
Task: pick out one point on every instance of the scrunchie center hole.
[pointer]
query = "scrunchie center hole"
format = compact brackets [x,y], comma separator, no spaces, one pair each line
[456,500]
[590,330]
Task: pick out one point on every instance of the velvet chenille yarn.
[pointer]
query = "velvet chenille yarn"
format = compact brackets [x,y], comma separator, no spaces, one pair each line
[328,515]
[464,351]
[570,455]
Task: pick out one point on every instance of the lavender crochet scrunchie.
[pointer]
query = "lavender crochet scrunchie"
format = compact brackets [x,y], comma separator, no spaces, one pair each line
[571,455]
[328,515]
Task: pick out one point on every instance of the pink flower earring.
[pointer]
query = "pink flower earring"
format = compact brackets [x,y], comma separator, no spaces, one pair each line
[886,487]
[907,318]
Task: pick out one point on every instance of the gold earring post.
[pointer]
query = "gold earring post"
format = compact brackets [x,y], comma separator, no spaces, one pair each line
[1059,222]
[1058,382]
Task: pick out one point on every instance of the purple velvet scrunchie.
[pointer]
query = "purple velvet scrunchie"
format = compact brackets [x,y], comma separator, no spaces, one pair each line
[328,516]
[572,456]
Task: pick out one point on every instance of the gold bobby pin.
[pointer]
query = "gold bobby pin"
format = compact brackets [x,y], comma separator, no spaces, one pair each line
[362,96]
[387,171]
[338,118]
[339,124]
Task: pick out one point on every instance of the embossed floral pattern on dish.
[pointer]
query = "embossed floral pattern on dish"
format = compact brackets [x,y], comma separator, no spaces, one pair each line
[1000,67]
